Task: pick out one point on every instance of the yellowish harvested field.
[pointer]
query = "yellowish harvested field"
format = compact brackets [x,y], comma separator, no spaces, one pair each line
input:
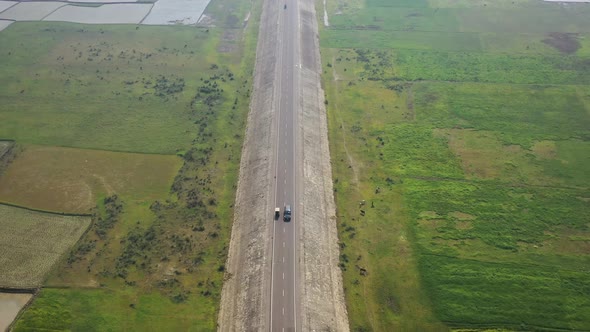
[71,180]
[32,242]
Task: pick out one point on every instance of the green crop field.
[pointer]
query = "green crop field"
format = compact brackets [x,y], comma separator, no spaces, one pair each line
[33,242]
[144,124]
[460,142]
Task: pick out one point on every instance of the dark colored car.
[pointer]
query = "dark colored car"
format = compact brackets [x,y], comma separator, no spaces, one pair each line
[287,213]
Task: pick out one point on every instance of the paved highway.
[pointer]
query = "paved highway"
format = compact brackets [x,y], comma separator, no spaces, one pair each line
[284,296]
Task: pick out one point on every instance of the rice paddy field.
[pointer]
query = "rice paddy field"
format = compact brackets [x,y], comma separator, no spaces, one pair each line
[105,14]
[149,12]
[460,143]
[4,24]
[140,127]
[32,242]
[30,11]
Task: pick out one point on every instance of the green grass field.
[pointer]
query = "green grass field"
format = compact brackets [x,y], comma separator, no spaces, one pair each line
[177,97]
[59,310]
[103,87]
[464,128]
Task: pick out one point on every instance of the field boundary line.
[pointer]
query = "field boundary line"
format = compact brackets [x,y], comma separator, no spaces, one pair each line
[509,264]
[491,183]
[98,149]
[67,214]
[508,325]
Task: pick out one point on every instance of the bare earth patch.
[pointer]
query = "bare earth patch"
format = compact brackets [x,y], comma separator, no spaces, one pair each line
[32,242]
[10,305]
[568,241]
[483,156]
[545,150]
[461,216]
[30,11]
[430,224]
[105,14]
[566,43]
[70,180]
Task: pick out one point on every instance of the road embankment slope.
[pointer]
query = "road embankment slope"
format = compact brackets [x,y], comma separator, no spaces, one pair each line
[245,295]
[322,295]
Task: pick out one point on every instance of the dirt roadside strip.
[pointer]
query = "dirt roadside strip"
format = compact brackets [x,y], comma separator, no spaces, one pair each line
[246,294]
[322,294]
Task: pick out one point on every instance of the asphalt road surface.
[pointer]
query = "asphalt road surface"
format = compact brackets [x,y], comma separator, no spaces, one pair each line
[284,296]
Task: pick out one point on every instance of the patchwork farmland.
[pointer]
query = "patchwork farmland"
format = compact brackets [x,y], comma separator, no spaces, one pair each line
[140,128]
[151,12]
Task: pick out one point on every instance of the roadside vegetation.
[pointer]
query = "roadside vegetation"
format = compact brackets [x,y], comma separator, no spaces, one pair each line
[460,152]
[154,255]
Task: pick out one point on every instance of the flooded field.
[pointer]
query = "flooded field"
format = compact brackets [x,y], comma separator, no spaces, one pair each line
[105,14]
[10,305]
[104,1]
[30,11]
[176,12]
[161,12]
[6,4]
[4,24]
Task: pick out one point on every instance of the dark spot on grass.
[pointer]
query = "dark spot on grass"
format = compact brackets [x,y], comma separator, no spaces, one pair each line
[566,43]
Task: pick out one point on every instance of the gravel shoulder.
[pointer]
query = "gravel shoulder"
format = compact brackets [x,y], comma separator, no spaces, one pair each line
[246,291]
[322,295]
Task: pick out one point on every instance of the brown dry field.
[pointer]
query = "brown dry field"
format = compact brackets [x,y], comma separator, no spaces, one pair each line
[10,305]
[71,180]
